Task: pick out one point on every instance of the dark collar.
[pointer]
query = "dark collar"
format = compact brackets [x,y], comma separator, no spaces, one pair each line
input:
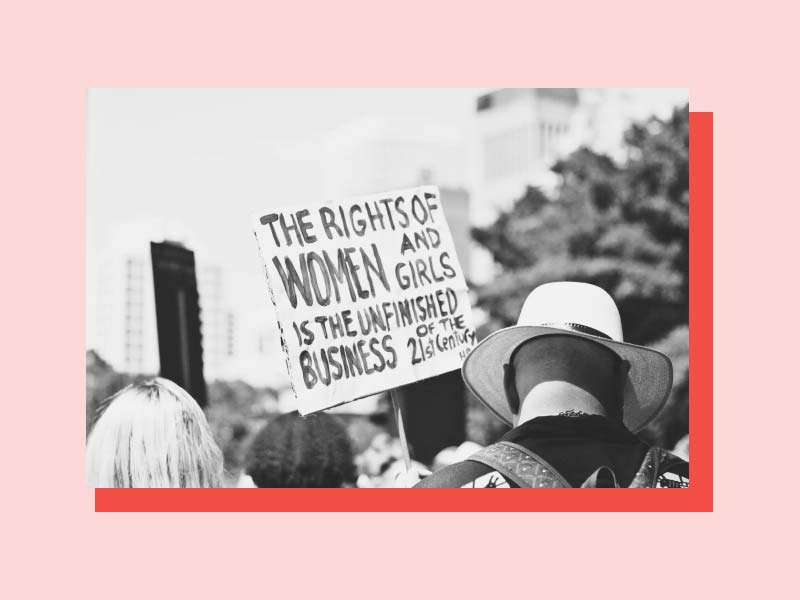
[592,427]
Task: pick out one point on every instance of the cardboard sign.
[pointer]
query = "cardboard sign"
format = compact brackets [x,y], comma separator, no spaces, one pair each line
[369,294]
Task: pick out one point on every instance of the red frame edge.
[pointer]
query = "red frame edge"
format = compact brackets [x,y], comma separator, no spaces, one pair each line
[698,497]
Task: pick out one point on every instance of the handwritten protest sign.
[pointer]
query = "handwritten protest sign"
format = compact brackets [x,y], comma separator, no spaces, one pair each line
[368,292]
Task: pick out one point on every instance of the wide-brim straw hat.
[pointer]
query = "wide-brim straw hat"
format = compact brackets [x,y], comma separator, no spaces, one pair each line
[581,310]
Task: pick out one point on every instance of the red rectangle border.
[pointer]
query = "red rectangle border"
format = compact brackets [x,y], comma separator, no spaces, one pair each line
[698,497]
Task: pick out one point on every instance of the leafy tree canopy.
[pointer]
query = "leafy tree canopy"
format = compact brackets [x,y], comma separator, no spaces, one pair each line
[623,226]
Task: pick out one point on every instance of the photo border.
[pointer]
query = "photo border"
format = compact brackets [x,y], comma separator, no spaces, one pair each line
[697,498]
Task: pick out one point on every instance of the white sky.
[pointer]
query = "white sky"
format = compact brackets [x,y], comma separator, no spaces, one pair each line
[201,162]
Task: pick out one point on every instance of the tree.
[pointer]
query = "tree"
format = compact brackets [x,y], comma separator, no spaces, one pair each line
[623,227]
[102,381]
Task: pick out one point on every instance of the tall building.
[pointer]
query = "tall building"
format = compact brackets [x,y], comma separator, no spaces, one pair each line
[520,134]
[126,320]
[126,334]
[217,321]
[456,206]
[255,354]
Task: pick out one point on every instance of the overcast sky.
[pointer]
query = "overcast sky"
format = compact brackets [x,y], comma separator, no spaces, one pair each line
[199,163]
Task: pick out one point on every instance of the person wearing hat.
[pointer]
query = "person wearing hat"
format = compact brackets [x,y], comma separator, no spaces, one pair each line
[574,393]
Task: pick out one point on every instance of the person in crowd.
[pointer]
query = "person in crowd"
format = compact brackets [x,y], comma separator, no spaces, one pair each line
[152,434]
[453,454]
[302,452]
[381,464]
[575,394]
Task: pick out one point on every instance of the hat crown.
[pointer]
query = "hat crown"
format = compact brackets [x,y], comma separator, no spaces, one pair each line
[568,302]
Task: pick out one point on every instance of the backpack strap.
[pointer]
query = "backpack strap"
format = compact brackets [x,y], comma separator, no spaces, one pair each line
[670,462]
[518,464]
[656,465]
[673,471]
[529,470]
[647,474]
[603,477]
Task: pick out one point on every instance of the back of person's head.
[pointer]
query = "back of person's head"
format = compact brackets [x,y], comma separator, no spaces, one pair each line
[554,374]
[309,452]
[152,434]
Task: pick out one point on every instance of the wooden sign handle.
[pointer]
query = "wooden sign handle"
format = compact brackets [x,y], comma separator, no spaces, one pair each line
[398,416]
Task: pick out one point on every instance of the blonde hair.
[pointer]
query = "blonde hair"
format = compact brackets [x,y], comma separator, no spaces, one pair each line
[152,434]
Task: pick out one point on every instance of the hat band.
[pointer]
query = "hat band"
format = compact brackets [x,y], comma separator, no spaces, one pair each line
[579,328]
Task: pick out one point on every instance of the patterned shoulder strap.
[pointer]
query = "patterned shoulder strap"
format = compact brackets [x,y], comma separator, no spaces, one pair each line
[518,464]
[661,469]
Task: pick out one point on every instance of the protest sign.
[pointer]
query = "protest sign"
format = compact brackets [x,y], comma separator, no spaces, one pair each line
[369,294]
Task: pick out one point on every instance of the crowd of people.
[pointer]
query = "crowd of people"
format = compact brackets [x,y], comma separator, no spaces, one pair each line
[572,390]
[153,434]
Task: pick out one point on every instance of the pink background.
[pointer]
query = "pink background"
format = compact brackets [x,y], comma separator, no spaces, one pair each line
[54,545]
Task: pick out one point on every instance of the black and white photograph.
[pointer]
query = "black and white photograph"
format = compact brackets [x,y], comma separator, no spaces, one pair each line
[387,288]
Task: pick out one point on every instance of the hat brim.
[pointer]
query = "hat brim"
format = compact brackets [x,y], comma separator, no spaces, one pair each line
[646,391]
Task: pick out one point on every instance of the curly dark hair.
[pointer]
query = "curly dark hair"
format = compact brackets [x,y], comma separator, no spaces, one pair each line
[304,452]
